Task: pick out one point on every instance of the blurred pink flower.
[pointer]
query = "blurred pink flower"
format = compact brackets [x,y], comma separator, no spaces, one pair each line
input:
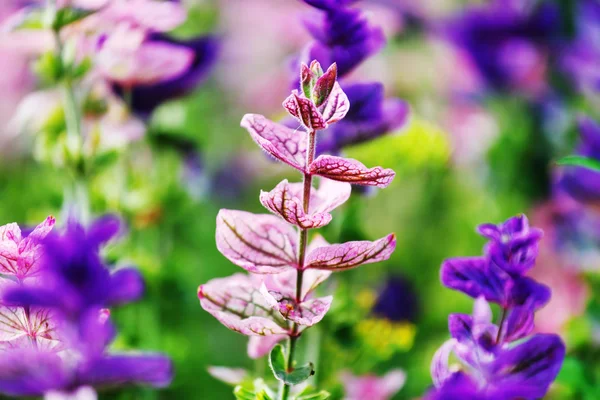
[569,290]
[373,387]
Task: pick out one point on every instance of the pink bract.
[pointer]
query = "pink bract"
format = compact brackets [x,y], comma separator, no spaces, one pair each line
[237,303]
[286,201]
[338,257]
[352,171]
[259,243]
[285,144]
[19,255]
[373,387]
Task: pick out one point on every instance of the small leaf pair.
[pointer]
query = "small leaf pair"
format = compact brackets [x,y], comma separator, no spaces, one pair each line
[277,362]
[289,146]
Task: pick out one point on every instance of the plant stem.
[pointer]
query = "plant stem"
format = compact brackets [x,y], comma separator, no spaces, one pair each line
[284,389]
[500,325]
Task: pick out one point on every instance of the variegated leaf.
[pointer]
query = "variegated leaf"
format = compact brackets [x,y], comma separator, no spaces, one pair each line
[351,171]
[238,304]
[304,111]
[348,255]
[305,313]
[279,141]
[259,243]
[337,105]
[33,329]
[286,201]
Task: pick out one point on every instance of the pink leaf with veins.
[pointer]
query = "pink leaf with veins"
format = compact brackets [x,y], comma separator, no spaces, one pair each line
[337,105]
[278,140]
[286,201]
[259,243]
[237,303]
[352,171]
[304,111]
[259,346]
[36,329]
[305,313]
[19,255]
[338,257]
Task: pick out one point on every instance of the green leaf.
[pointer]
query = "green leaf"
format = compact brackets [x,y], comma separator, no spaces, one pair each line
[49,68]
[322,395]
[580,161]
[277,362]
[68,15]
[300,374]
[242,393]
[294,377]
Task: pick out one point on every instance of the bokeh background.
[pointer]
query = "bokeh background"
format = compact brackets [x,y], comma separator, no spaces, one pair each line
[495,98]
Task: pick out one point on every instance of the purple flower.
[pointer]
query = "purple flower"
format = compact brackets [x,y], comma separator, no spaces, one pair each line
[146,97]
[507,43]
[56,328]
[513,245]
[73,278]
[494,367]
[498,361]
[581,183]
[499,275]
[397,300]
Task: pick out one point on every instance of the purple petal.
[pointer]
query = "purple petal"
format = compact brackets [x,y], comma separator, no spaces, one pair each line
[351,171]
[440,370]
[279,141]
[122,369]
[238,304]
[104,229]
[475,276]
[260,346]
[259,243]
[127,285]
[519,323]
[337,105]
[526,290]
[28,372]
[304,111]
[527,370]
[338,257]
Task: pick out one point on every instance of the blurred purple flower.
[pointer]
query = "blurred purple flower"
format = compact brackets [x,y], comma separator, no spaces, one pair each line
[507,43]
[397,301]
[580,56]
[73,278]
[342,36]
[581,183]
[370,116]
[67,324]
[146,97]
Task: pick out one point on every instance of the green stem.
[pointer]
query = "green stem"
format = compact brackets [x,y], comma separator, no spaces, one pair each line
[284,390]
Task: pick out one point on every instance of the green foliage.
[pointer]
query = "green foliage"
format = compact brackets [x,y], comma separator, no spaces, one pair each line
[277,362]
[580,161]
